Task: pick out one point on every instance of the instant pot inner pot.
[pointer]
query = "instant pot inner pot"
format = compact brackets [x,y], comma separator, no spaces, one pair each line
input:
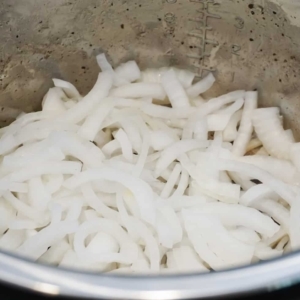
[247,44]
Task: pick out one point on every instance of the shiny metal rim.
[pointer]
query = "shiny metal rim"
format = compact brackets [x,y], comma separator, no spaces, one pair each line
[271,275]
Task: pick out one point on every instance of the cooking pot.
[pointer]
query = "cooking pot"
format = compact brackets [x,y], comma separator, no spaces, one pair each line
[248,44]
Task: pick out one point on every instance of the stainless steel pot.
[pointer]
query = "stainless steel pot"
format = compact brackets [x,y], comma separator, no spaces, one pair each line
[251,44]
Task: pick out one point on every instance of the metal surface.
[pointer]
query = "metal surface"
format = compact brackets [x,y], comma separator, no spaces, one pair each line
[250,44]
[268,276]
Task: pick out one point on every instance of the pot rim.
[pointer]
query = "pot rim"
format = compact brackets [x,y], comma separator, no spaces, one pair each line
[265,276]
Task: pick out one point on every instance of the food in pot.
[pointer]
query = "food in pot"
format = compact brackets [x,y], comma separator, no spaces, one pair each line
[146,174]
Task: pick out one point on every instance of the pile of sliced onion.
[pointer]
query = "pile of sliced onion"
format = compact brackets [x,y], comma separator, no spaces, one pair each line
[144,174]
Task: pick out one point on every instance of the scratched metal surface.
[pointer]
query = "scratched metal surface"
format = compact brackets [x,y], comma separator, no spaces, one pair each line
[250,44]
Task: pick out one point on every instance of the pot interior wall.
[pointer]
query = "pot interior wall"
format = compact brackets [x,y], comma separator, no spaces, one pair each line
[253,44]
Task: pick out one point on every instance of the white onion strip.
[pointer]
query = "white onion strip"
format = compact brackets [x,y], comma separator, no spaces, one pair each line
[278,186]
[246,128]
[141,190]
[101,89]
